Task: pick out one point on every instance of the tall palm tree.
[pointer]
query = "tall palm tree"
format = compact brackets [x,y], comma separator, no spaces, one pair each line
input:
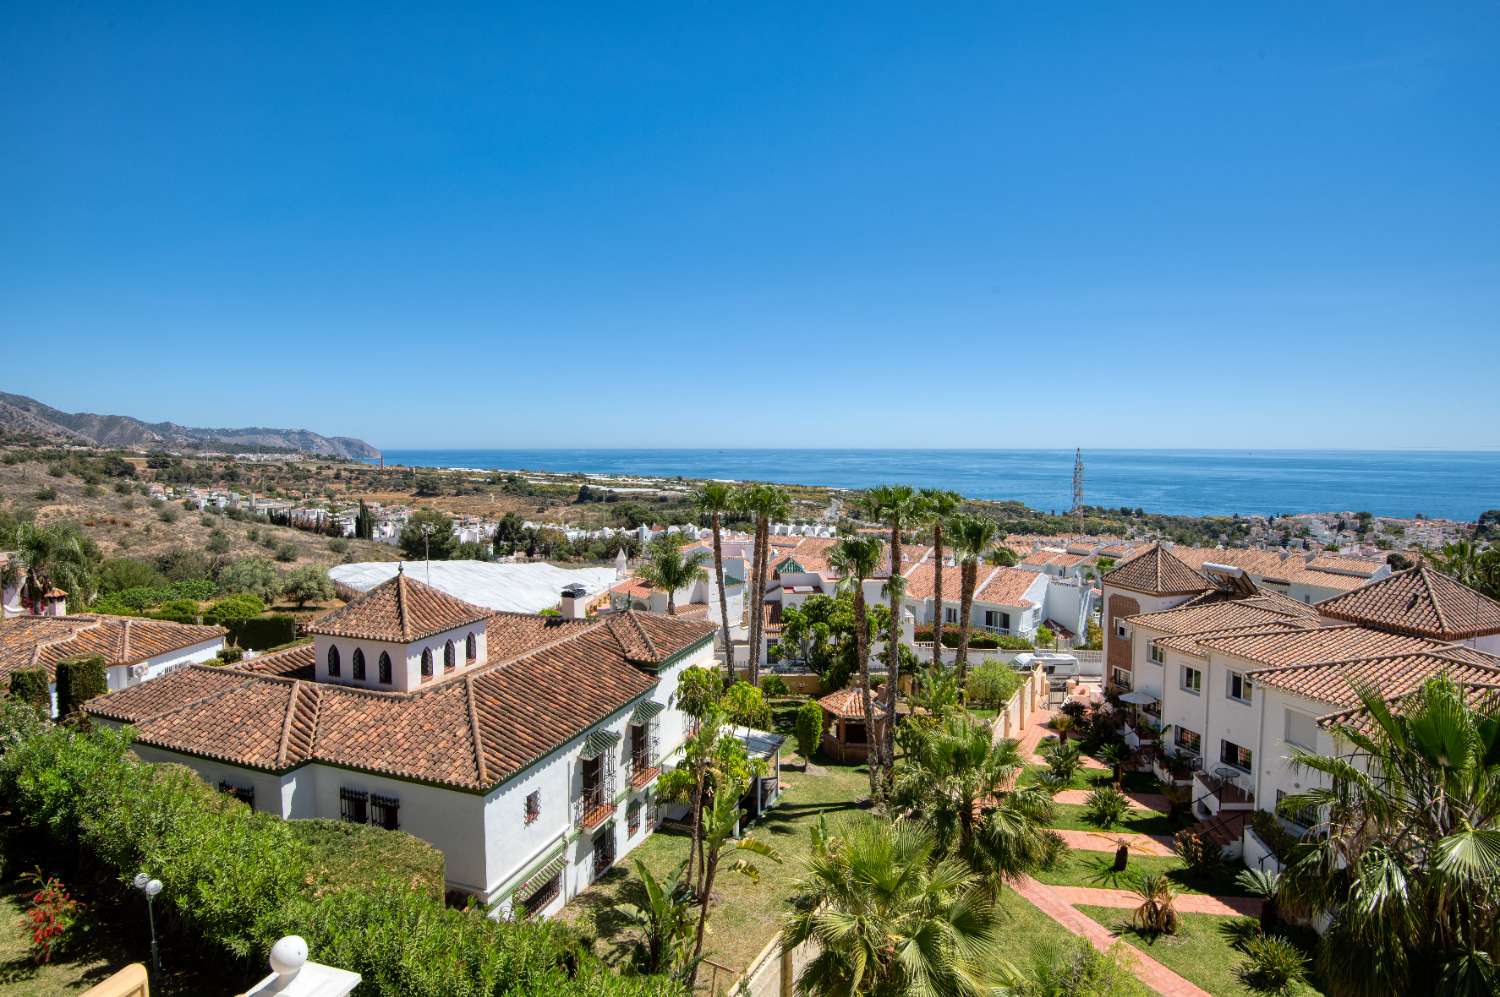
[766,504]
[897,506]
[713,499]
[973,536]
[1406,854]
[48,557]
[856,558]
[890,918]
[667,567]
[939,506]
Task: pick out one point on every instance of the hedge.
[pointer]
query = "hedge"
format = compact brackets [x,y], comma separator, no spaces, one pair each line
[236,879]
[79,680]
[30,685]
[262,632]
[979,640]
[362,855]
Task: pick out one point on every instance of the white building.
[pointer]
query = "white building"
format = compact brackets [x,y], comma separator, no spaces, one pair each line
[525,748]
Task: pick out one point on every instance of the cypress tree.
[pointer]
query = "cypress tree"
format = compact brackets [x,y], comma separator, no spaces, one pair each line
[30,685]
[79,680]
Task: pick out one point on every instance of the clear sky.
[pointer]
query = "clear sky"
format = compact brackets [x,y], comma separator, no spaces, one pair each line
[810,224]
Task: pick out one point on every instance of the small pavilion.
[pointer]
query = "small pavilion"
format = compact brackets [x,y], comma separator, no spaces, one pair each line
[845,737]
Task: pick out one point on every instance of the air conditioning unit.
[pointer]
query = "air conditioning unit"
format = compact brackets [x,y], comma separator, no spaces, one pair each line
[137,673]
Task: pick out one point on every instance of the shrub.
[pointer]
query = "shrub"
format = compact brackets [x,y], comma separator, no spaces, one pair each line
[78,680]
[1106,807]
[1076,969]
[218,542]
[746,706]
[254,575]
[286,551]
[52,918]
[1063,760]
[229,654]
[120,573]
[1197,850]
[46,494]
[1269,830]
[1272,964]
[339,545]
[30,686]
[241,606]
[809,728]
[992,684]
[167,514]
[196,589]
[177,611]
[262,632]
[774,685]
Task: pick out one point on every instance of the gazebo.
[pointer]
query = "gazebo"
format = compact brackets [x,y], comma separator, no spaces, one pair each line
[845,737]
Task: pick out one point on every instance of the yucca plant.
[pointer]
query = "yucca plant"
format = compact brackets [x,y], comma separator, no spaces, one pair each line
[1272,964]
[1155,915]
[1064,760]
[1106,807]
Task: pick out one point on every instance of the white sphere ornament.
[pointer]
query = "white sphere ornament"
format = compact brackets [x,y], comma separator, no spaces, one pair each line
[288,955]
[141,879]
[153,888]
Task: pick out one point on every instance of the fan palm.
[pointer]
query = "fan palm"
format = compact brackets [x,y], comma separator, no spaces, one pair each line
[1407,857]
[1116,754]
[898,507]
[668,567]
[938,507]
[56,556]
[973,536]
[714,499]
[890,919]
[855,558]
[1265,884]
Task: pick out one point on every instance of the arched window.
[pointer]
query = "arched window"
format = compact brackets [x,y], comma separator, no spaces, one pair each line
[427,662]
[333,660]
[471,648]
[385,668]
[359,665]
[450,656]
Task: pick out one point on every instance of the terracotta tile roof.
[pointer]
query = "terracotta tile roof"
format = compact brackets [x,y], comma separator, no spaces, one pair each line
[1394,675]
[1333,643]
[1208,616]
[1192,642]
[1270,566]
[1054,558]
[1362,566]
[295,662]
[43,641]
[1004,587]
[849,704]
[471,732]
[1157,571]
[1418,601]
[401,610]
[1268,599]
[1481,697]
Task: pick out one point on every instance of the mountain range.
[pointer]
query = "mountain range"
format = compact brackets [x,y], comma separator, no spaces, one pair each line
[22,416]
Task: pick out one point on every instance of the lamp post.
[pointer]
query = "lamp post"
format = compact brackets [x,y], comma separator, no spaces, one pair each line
[427,531]
[151,887]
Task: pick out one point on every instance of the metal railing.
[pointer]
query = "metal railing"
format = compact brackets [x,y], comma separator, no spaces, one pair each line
[597,802]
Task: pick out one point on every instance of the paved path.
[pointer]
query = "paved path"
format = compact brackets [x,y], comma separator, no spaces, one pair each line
[1035,733]
[1186,903]
[1138,801]
[1150,972]
[1108,841]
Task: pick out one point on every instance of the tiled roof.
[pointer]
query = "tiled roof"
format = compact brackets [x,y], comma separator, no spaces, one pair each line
[470,732]
[1208,616]
[1418,601]
[1270,566]
[1268,599]
[1157,571]
[43,641]
[1192,642]
[849,703]
[1362,566]
[1481,697]
[401,610]
[1394,675]
[1334,643]
[1004,587]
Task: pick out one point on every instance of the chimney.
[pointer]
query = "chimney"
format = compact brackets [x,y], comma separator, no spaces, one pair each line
[574,602]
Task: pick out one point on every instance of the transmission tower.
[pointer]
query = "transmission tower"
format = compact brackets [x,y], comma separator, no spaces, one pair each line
[1078,490]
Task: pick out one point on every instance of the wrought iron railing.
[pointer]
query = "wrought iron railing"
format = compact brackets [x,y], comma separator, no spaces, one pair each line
[596,803]
[644,759]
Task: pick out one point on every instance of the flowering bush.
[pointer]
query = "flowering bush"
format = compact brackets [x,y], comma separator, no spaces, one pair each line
[51,919]
[1198,850]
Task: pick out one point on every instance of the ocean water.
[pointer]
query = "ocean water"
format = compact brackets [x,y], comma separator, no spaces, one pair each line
[1439,484]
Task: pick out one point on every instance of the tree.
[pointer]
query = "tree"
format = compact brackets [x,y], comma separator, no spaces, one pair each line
[120,573]
[1468,564]
[809,729]
[764,504]
[746,706]
[855,558]
[718,826]
[252,575]
[428,536]
[308,583]
[667,567]
[698,690]
[972,538]
[509,533]
[890,917]
[79,680]
[665,919]
[1116,754]
[1406,850]
[897,506]
[55,556]
[715,500]
[939,506]
[364,522]
[1045,637]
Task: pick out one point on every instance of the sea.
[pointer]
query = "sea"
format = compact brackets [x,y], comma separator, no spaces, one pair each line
[1436,484]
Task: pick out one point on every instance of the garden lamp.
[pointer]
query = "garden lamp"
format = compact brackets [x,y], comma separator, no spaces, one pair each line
[151,887]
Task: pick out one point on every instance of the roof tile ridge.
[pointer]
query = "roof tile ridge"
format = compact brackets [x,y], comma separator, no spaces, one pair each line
[1430,652]
[286,725]
[1424,573]
[401,620]
[640,630]
[317,717]
[125,640]
[995,569]
[479,766]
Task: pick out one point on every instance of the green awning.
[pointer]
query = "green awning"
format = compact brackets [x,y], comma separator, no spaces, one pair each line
[598,742]
[646,711]
[791,566]
[540,877]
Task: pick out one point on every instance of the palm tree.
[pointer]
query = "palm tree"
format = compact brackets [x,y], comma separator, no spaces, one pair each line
[939,506]
[973,536]
[713,499]
[667,567]
[1265,884]
[890,918]
[765,503]
[664,920]
[1116,754]
[856,558]
[720,821]
[1155,915]
[897,506]
[1406,854]
[56,556]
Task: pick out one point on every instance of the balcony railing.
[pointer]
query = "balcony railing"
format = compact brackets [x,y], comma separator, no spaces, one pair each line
[596,804]
[644,761]
[1225,790]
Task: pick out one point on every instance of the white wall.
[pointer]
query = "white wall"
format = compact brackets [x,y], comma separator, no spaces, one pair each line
[1181,708]
[406,659]
[118,676]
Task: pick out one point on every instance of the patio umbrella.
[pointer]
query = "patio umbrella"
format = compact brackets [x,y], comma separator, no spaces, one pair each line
[1138,698]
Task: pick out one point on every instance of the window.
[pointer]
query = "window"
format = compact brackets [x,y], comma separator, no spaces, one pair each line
[1192,680]
[1301,730]
[427,662]
[333,660]
[633,818]
[1187,740]
[385,668]
[533,806]
[471,648]
[385,811]
[354,806]
[450,656]
[544,895]
[1303,817]
[950,614]
[1232,754]
[245,794]
[1239,687]
[1122,678]
[1157,654]
[1120,630]
[359,665]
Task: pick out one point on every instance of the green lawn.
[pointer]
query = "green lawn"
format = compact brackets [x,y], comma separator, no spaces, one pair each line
[1070,816]
[1095,869]
[1202,951]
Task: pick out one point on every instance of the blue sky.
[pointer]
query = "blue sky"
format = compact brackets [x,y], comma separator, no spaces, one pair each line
[992,225]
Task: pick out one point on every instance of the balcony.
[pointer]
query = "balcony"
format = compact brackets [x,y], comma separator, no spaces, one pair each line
[639,770]
[1225,793]
[596,804]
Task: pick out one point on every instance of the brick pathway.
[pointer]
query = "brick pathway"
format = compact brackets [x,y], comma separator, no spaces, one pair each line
[1108,841]
[1138,801]
[1150,972]
[1186,903]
